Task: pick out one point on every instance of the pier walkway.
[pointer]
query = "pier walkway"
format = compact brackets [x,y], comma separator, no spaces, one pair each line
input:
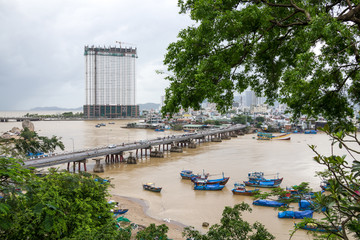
[175,140]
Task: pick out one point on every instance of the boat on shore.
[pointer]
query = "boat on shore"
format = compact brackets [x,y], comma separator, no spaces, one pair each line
[151,187]
[188,174]
[239,189]
[202,185]
[120,211]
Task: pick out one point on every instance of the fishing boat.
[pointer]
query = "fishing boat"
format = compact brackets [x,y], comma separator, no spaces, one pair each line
[325,185]
[188,174]
[202,185]
[120,211]
[296,214]
[151,187]
[269,136]
[239,189]
[268,203]
[263,184]
[159,130]
[316,228]
[221,181]
[259,176]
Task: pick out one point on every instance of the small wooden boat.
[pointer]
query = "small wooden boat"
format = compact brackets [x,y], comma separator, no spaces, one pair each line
[201,185]
[188,174]
[269,136]
[268,203]
[120,211]
[239,189]
[263,184]
[296,214]
[316,228]
[151,187]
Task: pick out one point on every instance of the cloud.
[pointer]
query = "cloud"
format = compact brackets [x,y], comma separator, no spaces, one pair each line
[42,46]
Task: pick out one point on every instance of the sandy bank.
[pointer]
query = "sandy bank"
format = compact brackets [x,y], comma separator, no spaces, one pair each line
[137,214]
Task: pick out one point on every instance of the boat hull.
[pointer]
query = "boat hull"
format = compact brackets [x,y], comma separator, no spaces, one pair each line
[262,184]
[211,187]
[221,181]
[240,192]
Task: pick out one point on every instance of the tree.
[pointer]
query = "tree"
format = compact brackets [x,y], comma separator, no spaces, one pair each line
[153,232]
[232,226]
[303,53]
[59,205]
[29,142]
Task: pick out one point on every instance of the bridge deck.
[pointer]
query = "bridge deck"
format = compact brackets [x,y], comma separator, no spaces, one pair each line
[98,152]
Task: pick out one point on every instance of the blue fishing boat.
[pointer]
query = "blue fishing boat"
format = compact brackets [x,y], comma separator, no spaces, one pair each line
[188,174]
[221,181]
[239,189]
[268,203]
[263,184]
[120,211]
[296,214]
[260,176]
[202,185]
[159,130]
[316,228]
[310,132]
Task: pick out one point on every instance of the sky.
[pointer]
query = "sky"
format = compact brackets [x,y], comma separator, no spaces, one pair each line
[42,61]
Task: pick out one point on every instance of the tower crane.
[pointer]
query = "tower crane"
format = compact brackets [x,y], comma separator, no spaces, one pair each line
[125,43]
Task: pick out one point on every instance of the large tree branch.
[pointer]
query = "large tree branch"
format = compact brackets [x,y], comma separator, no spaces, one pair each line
[351,15]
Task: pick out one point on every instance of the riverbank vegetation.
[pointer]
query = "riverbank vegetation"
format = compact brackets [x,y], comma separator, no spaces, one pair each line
[64,115]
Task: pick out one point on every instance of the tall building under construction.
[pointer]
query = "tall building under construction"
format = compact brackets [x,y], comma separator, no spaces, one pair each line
[110,82]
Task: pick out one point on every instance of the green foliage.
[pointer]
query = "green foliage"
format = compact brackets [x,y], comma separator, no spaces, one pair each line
[231,226]
[60,205]
[29,142]
[153,232]
[242,119]
[304,53]
[65,115]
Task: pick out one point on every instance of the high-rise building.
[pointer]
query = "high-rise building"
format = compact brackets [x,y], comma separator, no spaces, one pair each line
[110,82]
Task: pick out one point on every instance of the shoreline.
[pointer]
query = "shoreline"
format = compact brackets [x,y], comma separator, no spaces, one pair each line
[138,214]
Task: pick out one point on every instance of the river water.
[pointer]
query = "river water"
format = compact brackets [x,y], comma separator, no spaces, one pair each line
[292,159]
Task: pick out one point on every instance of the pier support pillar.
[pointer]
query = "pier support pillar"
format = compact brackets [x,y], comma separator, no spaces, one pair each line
[131,159]
[98,168]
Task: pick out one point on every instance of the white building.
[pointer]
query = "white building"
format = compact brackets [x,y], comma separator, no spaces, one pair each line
[110,82]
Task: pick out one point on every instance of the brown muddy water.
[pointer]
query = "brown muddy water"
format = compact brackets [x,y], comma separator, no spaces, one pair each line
[177,201]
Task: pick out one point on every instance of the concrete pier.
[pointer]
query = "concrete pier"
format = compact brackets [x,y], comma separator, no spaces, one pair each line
[98,168]
[156,153]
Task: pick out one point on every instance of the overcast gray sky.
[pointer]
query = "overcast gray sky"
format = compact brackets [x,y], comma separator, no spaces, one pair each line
[42,46]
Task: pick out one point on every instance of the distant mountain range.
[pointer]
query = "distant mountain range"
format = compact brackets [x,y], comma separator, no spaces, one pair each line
[56,109]
[144,106]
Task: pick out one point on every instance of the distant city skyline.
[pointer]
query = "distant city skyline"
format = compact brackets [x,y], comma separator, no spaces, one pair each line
[42,43]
